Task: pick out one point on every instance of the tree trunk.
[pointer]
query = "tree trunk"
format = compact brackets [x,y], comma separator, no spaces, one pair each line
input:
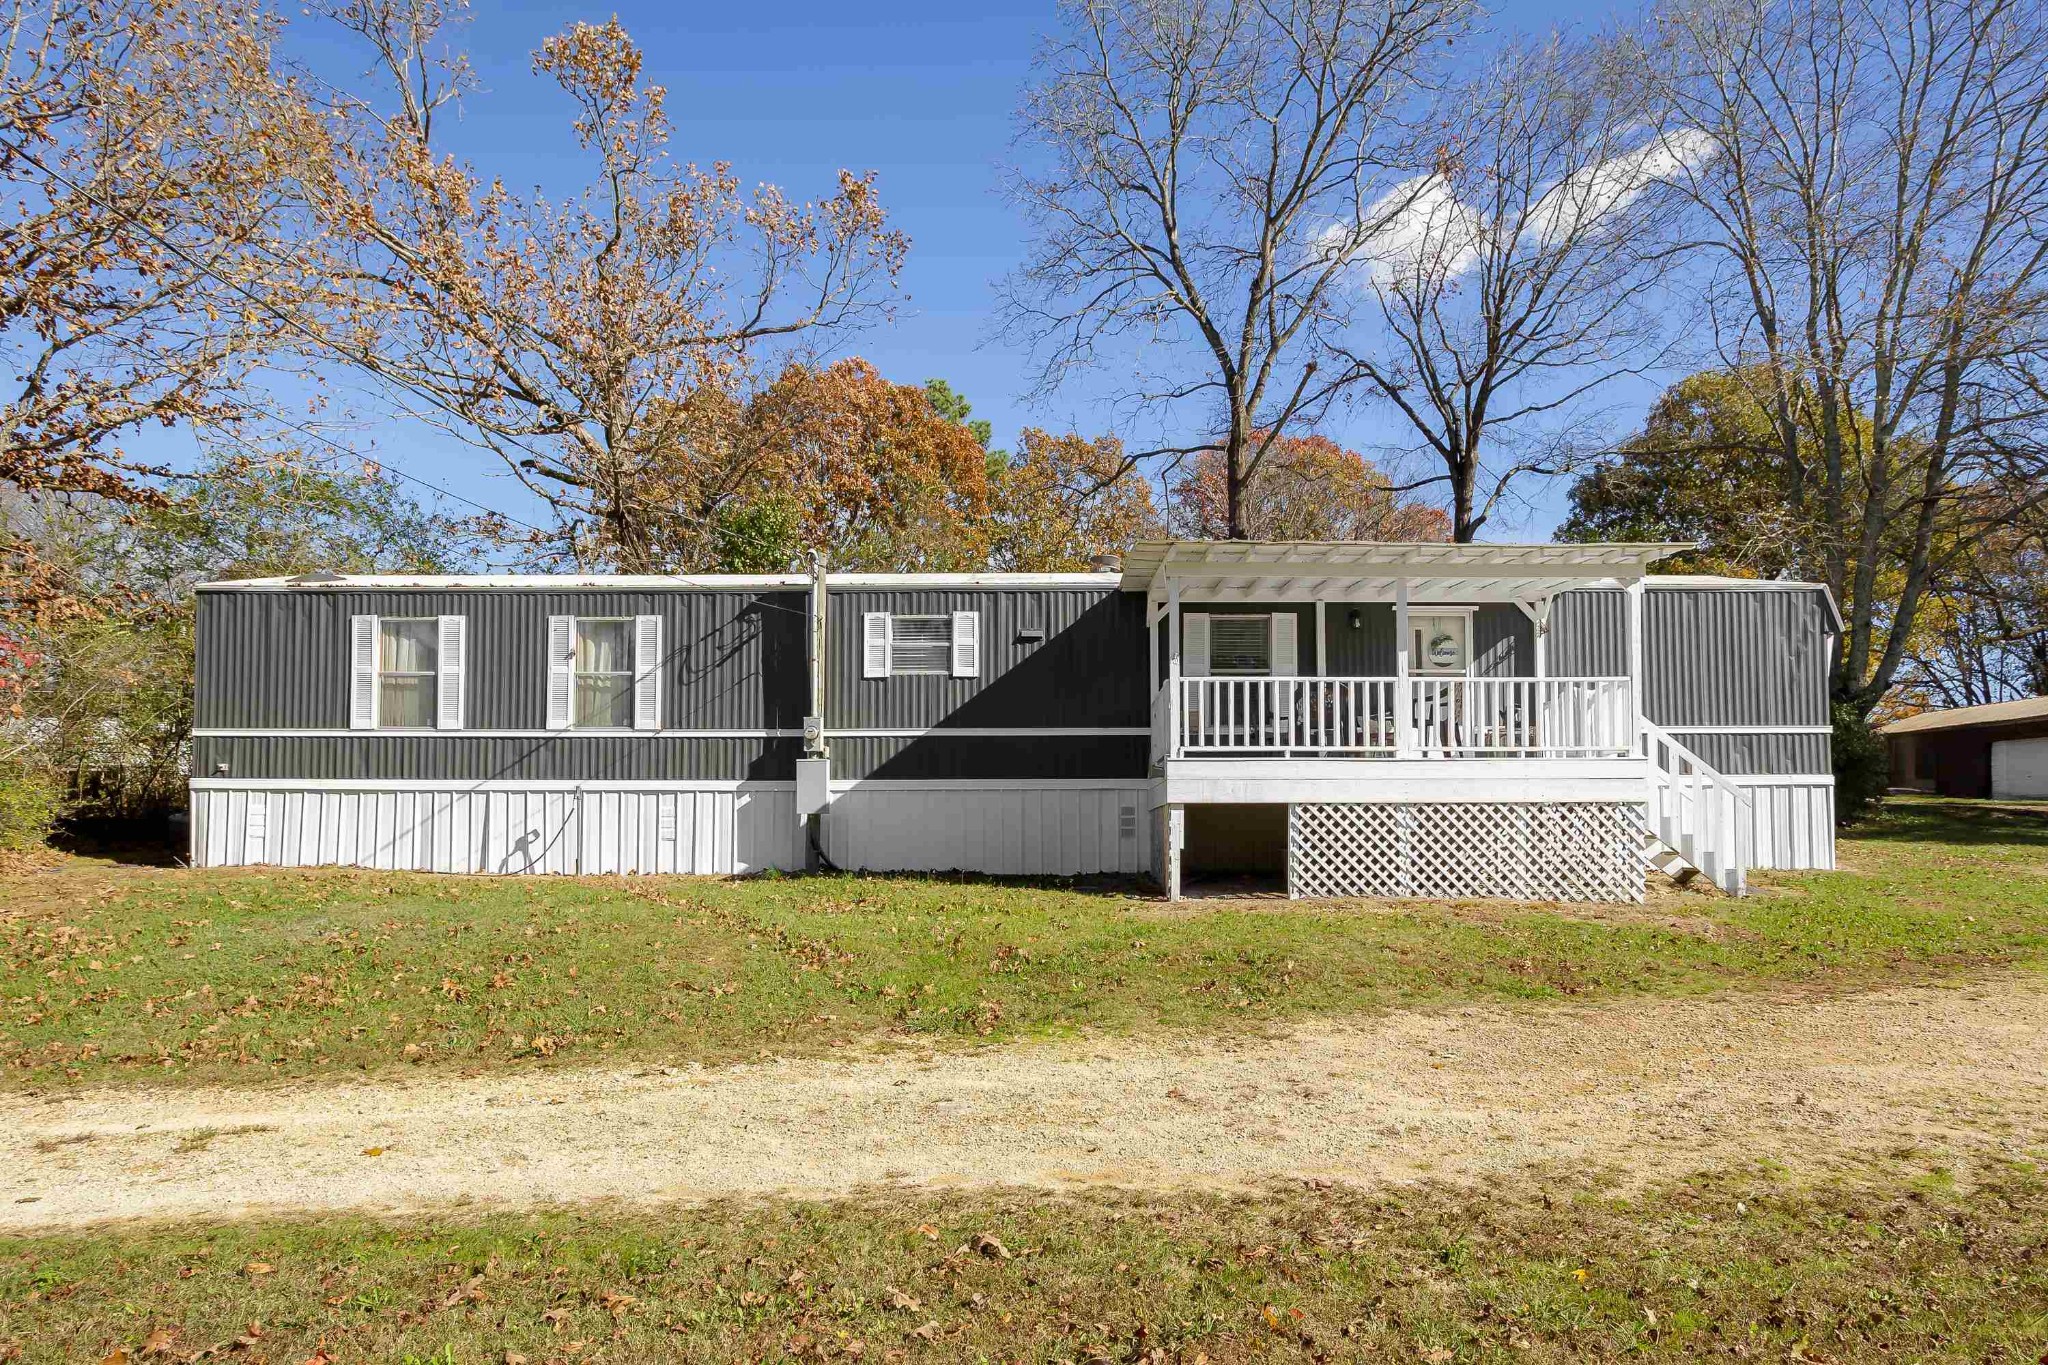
[1234,486]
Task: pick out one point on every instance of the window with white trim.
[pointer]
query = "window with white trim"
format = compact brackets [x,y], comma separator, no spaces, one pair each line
[894,645]
[405,672]
[408,671]
[603,673]
[1240,646]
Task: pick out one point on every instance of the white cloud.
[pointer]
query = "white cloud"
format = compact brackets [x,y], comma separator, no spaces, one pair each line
[1420,225]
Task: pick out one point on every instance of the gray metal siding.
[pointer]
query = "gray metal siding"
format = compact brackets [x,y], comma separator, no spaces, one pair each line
[990,758]
[1367,652]
[479,758]
[1089,668]
[1742,657]
[1753,755]
[1588,635]
[1503,642]
[279,660]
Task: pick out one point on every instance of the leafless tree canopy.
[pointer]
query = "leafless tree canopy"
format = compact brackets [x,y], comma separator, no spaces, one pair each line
[1874,218]
[1516,284]
[1184,163]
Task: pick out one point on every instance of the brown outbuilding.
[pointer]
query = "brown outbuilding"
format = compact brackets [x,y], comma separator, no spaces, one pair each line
[1999,750]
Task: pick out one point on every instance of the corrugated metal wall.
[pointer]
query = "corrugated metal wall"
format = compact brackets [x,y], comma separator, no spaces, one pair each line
[990,758]
[279,660]
[498,831]
[1088,669]
[1503,642]
[1367,652]
[483,758]
[1015,832]
[1733,657]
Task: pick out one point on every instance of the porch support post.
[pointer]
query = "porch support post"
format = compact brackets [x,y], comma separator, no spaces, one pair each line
[1151,651]
[1173,740]
[1404,709]
[1635,661]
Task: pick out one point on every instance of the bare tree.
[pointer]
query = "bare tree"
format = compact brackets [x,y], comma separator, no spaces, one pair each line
[1875,210]
[1513,287]
[1189,160]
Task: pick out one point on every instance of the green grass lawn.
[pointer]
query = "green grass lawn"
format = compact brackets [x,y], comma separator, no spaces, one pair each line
[113,973]
[1900,1264]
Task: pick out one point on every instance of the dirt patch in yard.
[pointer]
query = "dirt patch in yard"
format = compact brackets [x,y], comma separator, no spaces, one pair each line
[1649,1089]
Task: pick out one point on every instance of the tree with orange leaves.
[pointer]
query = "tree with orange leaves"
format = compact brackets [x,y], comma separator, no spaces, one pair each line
[842,460]
[1060,501]
[1310,488]
[600,343]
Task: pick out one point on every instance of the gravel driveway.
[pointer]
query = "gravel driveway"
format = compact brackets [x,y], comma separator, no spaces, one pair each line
[1648,1088]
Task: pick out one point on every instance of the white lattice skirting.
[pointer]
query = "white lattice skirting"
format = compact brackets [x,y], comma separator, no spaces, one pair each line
[1550,851]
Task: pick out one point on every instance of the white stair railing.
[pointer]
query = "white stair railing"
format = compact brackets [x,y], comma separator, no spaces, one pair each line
[1697,812]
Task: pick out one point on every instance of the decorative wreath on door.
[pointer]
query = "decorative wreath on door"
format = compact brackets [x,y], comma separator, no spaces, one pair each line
[1443,649]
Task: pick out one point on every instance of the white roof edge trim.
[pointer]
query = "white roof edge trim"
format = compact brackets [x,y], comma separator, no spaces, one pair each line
[658,582]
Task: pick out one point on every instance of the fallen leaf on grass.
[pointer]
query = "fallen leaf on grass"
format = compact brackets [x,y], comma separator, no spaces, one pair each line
[255,1268]
[927,1231]
[373,1151]
[985,1244]
[117,1356]
[159,1342]
[897,1299]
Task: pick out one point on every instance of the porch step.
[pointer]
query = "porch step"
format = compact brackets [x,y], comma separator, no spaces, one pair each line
[1668,860]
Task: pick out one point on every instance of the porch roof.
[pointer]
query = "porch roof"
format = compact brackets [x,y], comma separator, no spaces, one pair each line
[1369,569]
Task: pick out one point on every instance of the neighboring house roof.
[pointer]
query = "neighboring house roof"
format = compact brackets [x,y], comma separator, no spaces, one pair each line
[1963,717]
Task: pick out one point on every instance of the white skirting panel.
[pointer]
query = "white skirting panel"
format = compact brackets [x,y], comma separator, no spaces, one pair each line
[1794,821]
[1036,829]
[496,829]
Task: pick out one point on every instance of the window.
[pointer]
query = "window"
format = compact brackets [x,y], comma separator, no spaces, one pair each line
[893,645]
[1439,643]
[405,672]
[1241,645]
[603,673]
[920,644]
[408,671]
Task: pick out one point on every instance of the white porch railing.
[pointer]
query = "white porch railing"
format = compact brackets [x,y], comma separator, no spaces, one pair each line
[1697,812]
[1394,717]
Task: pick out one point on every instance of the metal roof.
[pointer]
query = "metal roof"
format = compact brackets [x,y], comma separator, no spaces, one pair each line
[651,582]
[1962,717]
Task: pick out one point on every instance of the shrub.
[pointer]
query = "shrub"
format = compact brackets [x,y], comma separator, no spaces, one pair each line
[30,803]
[1862,765]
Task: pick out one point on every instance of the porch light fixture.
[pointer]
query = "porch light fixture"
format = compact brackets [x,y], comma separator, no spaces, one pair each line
[1353,619]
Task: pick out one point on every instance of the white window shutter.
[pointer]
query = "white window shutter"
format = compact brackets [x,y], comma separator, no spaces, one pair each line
[362,672]
[647,673]
[1286,654]
[966,644]
[874,644]
[454,660]
[1194,644]
[561,666]
[1286,644]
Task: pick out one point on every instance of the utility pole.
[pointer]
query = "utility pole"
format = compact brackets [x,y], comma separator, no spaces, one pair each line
[814,769]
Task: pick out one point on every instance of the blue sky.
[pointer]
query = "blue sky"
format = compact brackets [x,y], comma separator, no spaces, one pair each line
[922,93]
